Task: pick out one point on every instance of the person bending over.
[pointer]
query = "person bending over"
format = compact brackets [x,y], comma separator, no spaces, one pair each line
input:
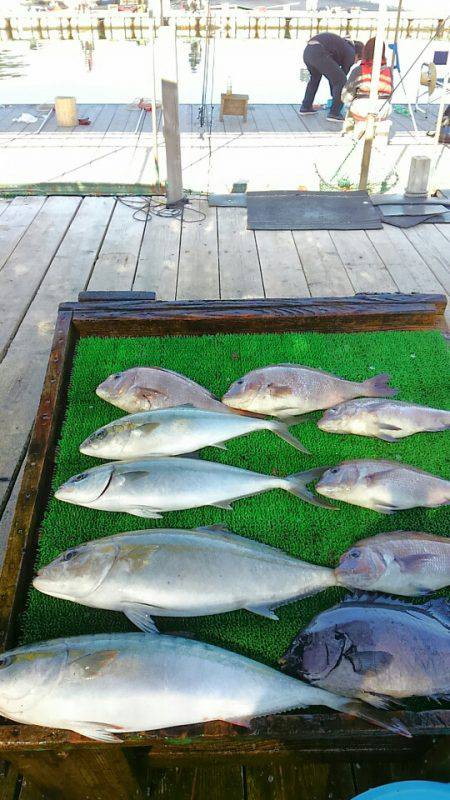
[329,55]
[357,88]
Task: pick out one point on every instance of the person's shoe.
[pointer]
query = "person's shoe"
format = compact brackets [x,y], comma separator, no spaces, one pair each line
[304,111]
[335,118]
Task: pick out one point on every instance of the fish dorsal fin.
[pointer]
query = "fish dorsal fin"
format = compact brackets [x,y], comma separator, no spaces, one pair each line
[438,608]
[216,527]
[391,536]
[90,665]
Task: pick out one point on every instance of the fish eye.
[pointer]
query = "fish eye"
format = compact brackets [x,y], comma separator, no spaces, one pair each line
[354,553]
[69,555]
[5,661]
[334,471]
[79,477]
[116,376]
[99,434]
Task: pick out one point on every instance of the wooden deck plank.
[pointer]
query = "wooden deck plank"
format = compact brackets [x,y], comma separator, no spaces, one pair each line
[296,124]
[396,251]
[198,274]
[233,124]
[200,783]
[23,367]
[15,219]
[432,246]
[277,118]
[116,264]
[364,266]
[157,268]
[240,272]
[261,118]
[25,268]
[300,781]
[324,270]
[281,267]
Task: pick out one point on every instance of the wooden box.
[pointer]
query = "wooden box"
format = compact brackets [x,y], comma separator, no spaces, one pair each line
[67,765]
[234,105]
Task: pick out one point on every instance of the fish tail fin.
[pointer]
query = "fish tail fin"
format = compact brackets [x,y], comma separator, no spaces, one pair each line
[381,719]
[282,430]
[297,484]
[378,386]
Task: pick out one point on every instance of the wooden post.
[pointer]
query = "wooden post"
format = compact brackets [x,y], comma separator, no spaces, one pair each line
[169,92]
[66,112]
[174,189]
[373,99]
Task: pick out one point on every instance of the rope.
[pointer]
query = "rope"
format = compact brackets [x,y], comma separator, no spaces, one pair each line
[144,208]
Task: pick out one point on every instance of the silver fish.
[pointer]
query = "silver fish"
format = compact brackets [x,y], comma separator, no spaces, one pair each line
[287,390]
[180,573]
[173,431]
[398,562]
[374,647]
[147,488]
[107,684]
[383,419]
[150,388]
[384,486]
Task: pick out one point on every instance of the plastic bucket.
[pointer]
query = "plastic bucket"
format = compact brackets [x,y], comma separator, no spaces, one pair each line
[408,790]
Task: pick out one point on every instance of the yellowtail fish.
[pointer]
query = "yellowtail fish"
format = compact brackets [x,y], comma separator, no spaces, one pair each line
[108,684]
[174,431]
[148,488]
[180,573]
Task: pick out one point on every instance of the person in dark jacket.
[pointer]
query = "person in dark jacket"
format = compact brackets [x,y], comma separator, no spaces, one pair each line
[329,55]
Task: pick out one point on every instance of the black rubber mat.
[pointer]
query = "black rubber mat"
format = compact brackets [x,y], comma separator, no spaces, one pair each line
[410,221]
[311,211]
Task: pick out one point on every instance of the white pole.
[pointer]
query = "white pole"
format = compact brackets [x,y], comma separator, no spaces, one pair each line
[154,117]
[440,117]
[373,97]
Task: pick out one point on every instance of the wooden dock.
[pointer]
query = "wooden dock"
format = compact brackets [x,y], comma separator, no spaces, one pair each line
[53,247]
[275,149]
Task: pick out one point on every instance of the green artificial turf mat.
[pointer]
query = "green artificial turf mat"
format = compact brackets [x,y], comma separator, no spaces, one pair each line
[418,364]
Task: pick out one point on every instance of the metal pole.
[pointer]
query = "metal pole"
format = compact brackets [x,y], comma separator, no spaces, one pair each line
[437,148]
[373,97]
[397,29]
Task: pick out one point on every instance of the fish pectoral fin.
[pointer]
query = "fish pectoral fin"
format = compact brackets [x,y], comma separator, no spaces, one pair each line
[297,419]
[385,437]
[243,722]
[225,506]
[96,730]
[368,661]
[277,390]
[384,508]
[220,446]
[263,611]
[217,527]
[413,562]
[141,616]
[92,664]
[380,700]
[143,511]
[386,427]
